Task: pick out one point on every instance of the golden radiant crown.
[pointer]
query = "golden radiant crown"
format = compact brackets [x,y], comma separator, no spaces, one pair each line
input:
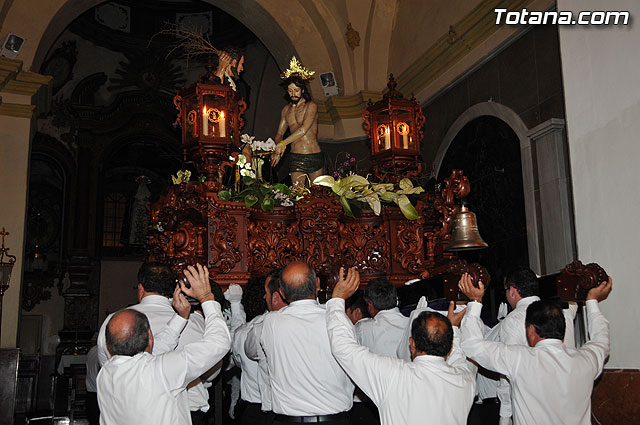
[296,69]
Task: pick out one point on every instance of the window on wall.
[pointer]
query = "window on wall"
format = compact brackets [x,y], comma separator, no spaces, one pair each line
[115,205]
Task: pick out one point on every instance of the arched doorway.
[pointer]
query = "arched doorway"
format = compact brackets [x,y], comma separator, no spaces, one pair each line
[488,151]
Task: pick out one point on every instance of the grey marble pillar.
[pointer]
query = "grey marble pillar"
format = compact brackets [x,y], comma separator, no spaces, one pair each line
[551,186]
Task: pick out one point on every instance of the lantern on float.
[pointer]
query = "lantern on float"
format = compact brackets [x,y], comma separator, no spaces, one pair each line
[210,115]
[394,127]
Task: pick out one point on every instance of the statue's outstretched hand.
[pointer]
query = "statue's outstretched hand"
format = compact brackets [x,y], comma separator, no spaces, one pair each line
[277,154]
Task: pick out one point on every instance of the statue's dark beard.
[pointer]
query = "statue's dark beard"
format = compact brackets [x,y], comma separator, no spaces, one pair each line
[295,100]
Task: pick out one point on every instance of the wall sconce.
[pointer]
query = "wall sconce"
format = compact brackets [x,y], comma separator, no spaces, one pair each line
[6,265]
[11,46]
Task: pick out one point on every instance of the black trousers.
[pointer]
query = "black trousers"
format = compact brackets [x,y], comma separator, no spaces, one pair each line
[364,413]
[199,418]
[93,410]
[341,420]
[251,413]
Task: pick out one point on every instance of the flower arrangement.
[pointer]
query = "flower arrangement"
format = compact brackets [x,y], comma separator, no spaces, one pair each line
[355,188]
[259,149]
[244,167]
[266,195]
[252,190]
[257,146]
[181,177]
[346,168]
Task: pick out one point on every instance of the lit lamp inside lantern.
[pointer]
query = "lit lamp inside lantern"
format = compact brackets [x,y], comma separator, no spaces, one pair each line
[384,137]
[205,122]
[222,124]
[403,130]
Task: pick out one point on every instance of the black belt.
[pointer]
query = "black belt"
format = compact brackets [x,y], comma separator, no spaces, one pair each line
[310,419]
[488,400]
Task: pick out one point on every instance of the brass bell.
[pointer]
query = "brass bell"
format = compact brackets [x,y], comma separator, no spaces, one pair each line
[465,235]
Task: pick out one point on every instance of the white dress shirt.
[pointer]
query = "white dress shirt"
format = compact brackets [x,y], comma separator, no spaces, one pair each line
[512,331]
[147,389]
[160,314]
[402,351]
[198,395]
[383,333]
[254,351]
[305,378]
[166,327]
[93,367]
[249,386]
[429,389]
[551,383]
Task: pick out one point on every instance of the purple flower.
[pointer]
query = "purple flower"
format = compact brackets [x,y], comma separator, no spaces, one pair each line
[352,160]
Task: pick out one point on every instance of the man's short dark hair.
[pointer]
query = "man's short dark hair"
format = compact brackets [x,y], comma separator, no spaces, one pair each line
[357,301]
[432,340]
[134,342]
[547,318]
[301,287]
[253,298]
[274,277]
[381,294]
[158,278]
[524,280]
[299,82]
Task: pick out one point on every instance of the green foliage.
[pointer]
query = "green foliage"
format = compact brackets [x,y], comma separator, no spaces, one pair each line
[355,189]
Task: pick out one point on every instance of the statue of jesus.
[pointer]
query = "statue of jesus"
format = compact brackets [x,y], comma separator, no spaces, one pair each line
[300,115]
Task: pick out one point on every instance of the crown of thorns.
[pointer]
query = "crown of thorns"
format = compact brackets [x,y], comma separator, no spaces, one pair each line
[296,69]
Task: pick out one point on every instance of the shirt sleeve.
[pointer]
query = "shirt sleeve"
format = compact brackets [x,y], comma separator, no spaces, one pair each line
[491,355]
[182,366]
[101,342]
[457,357]
[403,351]
[508,333]
[252,343]
[598,345]
[167,339]
[237,345]
[569,317]
[238,317]
[370,372]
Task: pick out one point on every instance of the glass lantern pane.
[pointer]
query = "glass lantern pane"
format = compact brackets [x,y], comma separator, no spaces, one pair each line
[403,129]
[214,116]
[383,130]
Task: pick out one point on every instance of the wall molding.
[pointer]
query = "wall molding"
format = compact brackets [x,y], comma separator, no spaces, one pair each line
[337,108]
[36,87]
[470,32]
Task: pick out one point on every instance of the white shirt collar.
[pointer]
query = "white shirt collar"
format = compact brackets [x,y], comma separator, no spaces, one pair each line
[155,299]
[525,302]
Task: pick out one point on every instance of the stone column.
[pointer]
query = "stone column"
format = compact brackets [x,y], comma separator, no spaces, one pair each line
[552,188]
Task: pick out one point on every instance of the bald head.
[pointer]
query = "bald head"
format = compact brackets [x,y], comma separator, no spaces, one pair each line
[432,334]
[128,333]
[298,282]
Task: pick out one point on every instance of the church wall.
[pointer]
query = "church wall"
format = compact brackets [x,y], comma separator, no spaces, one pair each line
[600,71]
[14,163]
[419,23]
[118,286]
[525,77]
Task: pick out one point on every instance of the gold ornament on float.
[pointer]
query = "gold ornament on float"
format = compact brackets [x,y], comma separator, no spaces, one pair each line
[213,115]
[191,117]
